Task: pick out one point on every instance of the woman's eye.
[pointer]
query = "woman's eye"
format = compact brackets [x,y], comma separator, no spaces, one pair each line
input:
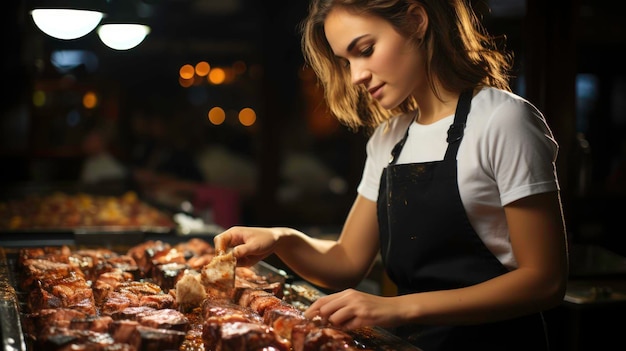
[367,51]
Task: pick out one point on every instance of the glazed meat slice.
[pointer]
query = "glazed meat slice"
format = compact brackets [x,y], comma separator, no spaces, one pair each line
[130,313]
[122,331]
[92,262]
[45,318]
[243,336]
[144,252]
[258,300]
[195,247]
[314,337]
[197,262]
[166,275]
[61,339]
[134,294]
[283,318]
[36,269]
[94,323]
[158,301]
[109,281]
[71,292]
[247,278]
[139,288]
[151,339]
[117,301]
[218,310]
[49,253]
[164,319]
[124,263]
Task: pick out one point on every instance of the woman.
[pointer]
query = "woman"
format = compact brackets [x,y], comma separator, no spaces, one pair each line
[459,193]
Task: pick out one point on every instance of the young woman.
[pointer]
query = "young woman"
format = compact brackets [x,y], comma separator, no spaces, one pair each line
[459,193]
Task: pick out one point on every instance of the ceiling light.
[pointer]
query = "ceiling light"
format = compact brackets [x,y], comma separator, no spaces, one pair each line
[62,23]
[122,36]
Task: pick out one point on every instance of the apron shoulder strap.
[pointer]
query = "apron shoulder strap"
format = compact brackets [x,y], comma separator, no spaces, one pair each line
[455,132]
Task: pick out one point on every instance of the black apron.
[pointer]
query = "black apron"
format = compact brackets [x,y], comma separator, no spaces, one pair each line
[427,243]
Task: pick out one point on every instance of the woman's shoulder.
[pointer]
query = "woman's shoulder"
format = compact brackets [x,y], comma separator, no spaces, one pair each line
[493,99]
[394,126]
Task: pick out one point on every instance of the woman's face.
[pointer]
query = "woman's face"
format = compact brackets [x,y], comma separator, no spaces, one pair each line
[385,62]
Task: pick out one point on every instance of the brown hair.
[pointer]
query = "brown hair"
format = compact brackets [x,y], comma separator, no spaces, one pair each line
[460,54]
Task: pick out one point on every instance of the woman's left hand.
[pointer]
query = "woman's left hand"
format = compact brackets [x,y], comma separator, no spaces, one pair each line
[352,309]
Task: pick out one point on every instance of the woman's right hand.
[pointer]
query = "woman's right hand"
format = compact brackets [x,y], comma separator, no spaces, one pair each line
[249,244]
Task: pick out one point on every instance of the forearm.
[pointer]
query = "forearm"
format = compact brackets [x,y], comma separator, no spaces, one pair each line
[513,294]
[319,261]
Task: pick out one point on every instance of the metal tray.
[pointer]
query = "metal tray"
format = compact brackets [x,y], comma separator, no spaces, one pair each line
[297,292]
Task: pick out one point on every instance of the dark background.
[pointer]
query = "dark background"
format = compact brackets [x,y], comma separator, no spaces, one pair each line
[295,166]
[568,62]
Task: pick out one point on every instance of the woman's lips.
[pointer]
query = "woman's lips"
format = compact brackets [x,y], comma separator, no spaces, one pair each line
[376,91]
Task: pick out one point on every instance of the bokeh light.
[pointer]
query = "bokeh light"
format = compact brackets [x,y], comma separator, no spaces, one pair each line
[186,71]
[247,116]
[217,76]
[202,68]
[90,100]
[217,115]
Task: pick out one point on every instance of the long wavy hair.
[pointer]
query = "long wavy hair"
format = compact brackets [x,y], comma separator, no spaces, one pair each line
[460,54]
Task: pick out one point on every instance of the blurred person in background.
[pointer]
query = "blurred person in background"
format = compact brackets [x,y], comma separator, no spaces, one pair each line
[459,193]
[101,166]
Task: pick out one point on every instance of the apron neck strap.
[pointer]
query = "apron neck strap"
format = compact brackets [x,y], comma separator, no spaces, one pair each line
[455,132]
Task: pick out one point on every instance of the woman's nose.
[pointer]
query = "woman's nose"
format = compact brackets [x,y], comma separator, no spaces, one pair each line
[359,74]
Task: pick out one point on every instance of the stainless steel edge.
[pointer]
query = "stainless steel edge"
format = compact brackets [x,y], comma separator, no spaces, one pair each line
[10,324]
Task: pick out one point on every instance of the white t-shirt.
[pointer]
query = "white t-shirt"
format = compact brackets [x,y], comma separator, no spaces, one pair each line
[507,152]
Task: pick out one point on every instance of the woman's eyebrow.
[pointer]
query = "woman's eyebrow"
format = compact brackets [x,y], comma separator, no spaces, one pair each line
[354,42]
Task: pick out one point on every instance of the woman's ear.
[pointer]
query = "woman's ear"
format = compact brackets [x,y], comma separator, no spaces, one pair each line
[419,17]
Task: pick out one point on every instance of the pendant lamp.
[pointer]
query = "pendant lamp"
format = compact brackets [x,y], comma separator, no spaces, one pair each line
[67,19]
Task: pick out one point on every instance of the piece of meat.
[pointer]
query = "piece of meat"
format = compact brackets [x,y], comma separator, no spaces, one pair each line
[108,282]
[221,309]
[243,336]
[34,270]
[195,247]
[117,301]
[61,339]
[218,276]
[144,252]
[315,337]
[34,323]
[190,292]
[122,331]
[71,292]
[151,339]
[94,323]
[166,275]
[283,318]
[124,263]
[197,262]
[158,301]
[164,319]
[130,313]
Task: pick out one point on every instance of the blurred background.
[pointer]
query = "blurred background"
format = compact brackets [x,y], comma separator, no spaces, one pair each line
[214,114]
[215,103]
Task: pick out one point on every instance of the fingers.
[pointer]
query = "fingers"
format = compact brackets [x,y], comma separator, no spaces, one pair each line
[221,242]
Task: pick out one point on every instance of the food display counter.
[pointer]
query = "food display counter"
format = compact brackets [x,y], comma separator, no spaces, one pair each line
[22,316]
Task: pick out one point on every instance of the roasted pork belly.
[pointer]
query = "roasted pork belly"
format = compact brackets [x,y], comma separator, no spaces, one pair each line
[70,292]
[166,275]
[314,337]
[35,322]
[242,336]
[163,319]
[36,269]
[152,339]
